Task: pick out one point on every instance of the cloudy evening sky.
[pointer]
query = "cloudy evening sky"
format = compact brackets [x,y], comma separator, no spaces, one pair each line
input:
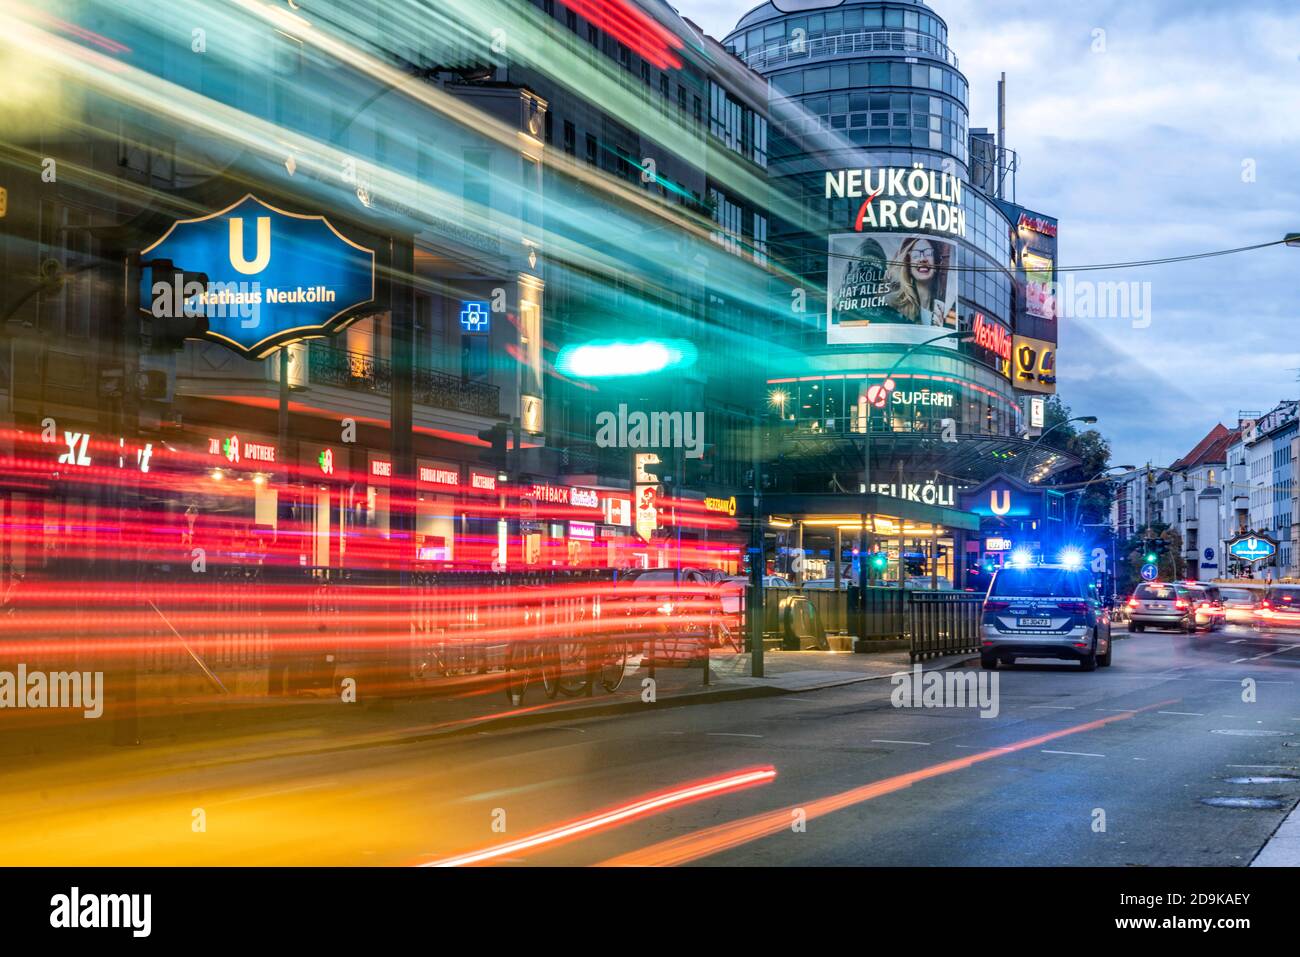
[1145,151]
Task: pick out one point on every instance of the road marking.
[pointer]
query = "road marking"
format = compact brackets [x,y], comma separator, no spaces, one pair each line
[731,734]
[713,840]
[888,741]
[1184,714]
[1257,766]
[642,807]
[1077,754]
[1120,710]
[1054,707]
[1237,641]
[1280,651]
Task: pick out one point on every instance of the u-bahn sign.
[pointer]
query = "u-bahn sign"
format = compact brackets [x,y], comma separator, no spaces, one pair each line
[262,276]
[1252,547]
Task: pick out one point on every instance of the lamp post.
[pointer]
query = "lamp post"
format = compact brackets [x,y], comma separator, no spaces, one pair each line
[863,573]
[1088,419]
[1083,485]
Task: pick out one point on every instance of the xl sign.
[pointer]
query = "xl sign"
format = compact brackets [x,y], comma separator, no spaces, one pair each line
[261,276]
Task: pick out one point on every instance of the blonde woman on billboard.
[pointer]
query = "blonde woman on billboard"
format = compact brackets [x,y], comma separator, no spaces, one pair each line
[915,277]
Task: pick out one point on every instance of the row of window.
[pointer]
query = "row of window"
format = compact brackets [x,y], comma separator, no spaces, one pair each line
[839,21]
[881,73]
[733,234]
[736,125]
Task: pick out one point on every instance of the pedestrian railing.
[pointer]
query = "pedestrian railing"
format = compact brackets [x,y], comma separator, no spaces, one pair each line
[931,622]
[943,623]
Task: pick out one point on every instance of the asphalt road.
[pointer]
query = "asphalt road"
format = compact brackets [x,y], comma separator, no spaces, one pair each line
[1106,768]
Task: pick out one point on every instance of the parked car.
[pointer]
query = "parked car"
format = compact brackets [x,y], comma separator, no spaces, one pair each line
[1280,608]
[1044,611]
[924,582]
[818,584]
[677,608]
[1240,605]
[1160,605]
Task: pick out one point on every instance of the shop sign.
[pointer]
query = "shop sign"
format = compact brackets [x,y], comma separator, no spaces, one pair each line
[552,494]
[437,475]
[923,397]
[237,450]
[618,511]
[898,198]
[997,545]
[583,530]
[584,497]
[484,481]
[725,506]
[1034,364]
[928,492]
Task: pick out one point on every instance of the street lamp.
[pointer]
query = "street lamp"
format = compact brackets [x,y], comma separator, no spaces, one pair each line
[961,336]
[1086,419]
[1083,485]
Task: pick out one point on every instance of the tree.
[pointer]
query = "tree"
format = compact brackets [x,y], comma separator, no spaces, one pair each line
[1094,451]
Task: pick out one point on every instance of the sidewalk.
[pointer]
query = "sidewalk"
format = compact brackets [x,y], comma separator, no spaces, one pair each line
[217,729]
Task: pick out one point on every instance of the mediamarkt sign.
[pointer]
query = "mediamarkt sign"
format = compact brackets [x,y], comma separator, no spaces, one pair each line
[916,199]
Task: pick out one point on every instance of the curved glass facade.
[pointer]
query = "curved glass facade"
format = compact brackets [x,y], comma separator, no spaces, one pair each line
[874,87]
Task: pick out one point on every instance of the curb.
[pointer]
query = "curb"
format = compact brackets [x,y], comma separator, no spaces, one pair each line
[636,706]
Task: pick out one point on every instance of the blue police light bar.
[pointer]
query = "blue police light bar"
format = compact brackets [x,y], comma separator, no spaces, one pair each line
[1071,558]
[604,359]
[1021,557]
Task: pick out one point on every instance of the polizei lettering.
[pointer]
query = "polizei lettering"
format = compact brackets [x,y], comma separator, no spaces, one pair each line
[917,199]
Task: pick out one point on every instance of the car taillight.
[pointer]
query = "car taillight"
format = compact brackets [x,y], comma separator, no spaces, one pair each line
[996,605]
[1132,602]
[1266,605]
[1073,607]
[1180,604]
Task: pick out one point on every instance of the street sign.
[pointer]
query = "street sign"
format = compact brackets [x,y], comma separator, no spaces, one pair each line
[272,276]
[1150,573]
[1252,548]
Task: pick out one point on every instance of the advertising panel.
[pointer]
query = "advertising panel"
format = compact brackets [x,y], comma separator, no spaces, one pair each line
[889,287]
[1034,362]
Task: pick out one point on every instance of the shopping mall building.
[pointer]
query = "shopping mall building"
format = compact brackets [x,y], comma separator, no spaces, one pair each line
[925,327]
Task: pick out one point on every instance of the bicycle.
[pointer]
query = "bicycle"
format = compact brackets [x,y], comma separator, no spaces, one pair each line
[526,660]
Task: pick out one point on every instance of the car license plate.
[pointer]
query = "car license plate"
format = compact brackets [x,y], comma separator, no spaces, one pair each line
[1035,623]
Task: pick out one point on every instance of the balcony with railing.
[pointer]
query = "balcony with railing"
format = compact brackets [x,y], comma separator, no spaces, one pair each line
[848,44]
[365,373]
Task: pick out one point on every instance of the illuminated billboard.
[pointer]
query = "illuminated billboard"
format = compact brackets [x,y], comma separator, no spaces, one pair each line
[1034,364]
[889,288]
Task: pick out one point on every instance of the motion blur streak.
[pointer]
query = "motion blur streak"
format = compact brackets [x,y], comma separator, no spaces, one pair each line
[714,840]
[642,807]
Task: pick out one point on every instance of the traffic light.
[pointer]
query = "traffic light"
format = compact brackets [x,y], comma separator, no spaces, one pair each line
[496,437]
[879,561]
[172,323]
